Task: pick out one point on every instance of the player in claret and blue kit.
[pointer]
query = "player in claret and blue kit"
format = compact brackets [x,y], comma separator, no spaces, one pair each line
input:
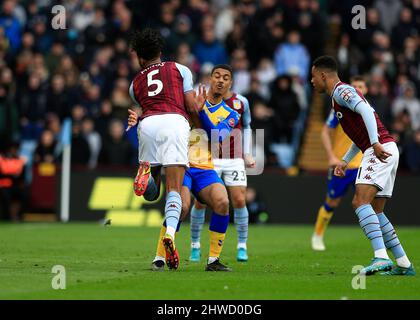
[201,179]
[164,91]
[337,186]
[376,175]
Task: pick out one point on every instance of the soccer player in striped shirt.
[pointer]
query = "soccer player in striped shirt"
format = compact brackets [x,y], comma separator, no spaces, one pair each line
[376,176]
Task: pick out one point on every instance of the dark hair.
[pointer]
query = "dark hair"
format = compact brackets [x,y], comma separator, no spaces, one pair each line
[148,43]
[358,78]
[326,62]
[223,66]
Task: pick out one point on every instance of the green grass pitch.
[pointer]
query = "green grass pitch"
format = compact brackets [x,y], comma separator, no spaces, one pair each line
[113,263]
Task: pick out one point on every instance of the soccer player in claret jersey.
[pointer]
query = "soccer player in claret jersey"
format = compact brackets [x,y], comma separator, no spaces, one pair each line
[164,91]
[376,176]
[230,164]
[200,178]
[337,186]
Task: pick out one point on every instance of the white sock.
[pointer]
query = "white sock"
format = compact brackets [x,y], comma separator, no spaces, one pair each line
[381,253]
[171,231]
[212,259]
[241,245]
[157,258]
[195,245]
[403,262]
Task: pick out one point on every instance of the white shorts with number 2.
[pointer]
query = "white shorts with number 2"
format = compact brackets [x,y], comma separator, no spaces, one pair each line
[232,171]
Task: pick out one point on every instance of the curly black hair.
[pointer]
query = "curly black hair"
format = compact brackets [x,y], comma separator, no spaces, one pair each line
[148,43]
[326,62]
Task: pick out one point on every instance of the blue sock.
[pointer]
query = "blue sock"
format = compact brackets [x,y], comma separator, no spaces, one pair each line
[219,223]
[172,212]
[390,237]
[370,225]
[151,192]
[197,221]
[217,233]
[241,218]
[327,207]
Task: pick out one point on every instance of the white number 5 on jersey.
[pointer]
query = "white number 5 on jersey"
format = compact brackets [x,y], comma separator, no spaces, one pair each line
[151,81]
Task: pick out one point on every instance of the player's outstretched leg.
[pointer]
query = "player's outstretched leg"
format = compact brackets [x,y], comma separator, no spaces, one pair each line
[147,181]
[142,178]
[404,267]
[197,221]
[369,223]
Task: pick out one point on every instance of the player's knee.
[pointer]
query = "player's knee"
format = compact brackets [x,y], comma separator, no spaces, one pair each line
[238,201]
[198,205]
[378,204]
[358,201]
[333,203]
[221,205]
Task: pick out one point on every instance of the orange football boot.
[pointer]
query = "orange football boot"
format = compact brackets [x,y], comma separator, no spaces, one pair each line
[172,256]
[142,178]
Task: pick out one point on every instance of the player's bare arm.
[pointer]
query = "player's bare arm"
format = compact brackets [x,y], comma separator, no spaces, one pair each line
[249,161]
[342,165]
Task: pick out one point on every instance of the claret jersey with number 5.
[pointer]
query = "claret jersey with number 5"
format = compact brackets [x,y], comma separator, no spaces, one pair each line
[160,88]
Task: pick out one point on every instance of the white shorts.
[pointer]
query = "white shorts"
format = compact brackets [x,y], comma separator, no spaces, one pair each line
[163,140]
[232,171]
[382,175]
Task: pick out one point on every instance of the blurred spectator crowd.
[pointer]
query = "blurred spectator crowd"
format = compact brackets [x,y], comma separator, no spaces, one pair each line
[84,71]
[388,53]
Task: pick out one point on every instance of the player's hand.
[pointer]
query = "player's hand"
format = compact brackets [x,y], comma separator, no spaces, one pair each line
[333,161]
[201,97]
[340,169]
[132,119]
[380,152]
[249,161]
